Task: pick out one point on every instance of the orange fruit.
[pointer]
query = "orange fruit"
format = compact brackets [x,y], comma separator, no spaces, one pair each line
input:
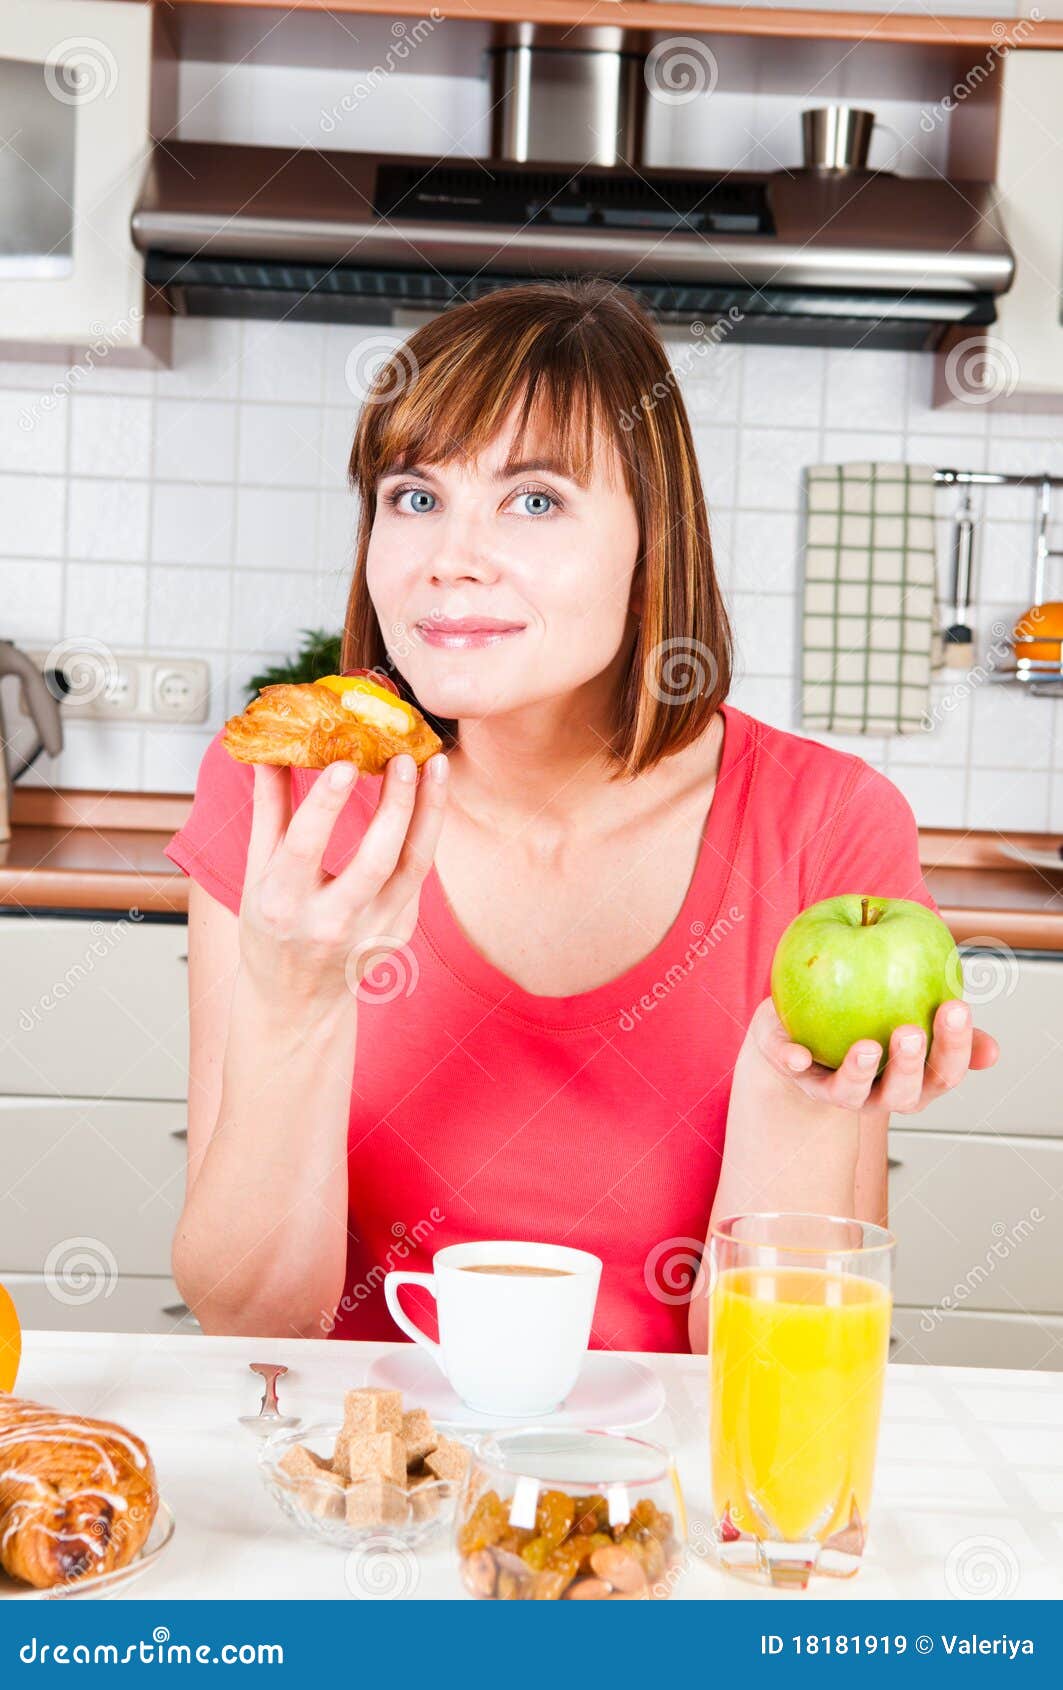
[1039,634]
[10,1342]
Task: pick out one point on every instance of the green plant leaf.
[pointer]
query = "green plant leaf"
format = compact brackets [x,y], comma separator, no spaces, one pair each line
[318,655]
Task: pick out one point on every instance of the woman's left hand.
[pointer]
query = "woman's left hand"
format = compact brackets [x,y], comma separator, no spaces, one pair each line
[909,1081]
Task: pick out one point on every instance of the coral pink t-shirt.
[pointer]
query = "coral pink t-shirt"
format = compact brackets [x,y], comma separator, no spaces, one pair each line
[479,1110]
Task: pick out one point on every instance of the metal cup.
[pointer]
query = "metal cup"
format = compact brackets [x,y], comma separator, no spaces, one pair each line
[836,137]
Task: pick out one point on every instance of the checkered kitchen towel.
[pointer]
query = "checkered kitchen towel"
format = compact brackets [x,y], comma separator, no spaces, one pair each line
[871,631]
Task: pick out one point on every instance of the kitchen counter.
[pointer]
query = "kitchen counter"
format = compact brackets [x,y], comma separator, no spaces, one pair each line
[968,1498]
[104,851]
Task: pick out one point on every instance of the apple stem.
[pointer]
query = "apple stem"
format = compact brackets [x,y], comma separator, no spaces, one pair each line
[868,919]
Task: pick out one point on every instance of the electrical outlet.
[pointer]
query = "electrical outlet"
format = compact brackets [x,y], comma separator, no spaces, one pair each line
[127,686]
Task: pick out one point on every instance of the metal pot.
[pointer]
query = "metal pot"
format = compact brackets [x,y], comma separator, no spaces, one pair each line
[570,96]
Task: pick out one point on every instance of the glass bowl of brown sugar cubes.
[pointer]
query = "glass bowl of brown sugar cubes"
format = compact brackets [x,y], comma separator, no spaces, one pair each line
[577,1515]
[383,1468]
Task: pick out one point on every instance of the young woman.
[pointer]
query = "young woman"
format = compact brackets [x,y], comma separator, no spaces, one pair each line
[524,993]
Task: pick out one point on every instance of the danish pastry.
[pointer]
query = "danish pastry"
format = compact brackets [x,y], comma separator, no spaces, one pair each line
[77,1496]
[310,724]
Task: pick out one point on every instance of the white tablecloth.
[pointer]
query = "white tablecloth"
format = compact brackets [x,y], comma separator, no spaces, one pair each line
[968,1490]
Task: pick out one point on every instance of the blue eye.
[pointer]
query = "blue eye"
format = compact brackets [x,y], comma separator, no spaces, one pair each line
[416,494]
[546,502]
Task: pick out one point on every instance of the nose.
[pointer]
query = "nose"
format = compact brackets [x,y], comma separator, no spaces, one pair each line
[461,552]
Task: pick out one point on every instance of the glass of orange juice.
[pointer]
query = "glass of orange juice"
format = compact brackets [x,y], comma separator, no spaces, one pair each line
[799,1325]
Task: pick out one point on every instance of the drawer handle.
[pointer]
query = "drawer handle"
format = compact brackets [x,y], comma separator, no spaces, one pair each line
[182,956]
[894,1341]
[893,1162]
[180,1133]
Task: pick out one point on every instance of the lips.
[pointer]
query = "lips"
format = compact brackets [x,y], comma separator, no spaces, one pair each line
[467,625]
[467,633]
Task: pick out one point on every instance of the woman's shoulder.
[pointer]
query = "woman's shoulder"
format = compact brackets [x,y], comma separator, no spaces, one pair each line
[808,771]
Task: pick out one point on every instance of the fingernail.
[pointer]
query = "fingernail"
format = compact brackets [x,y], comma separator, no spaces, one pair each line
[911,1041]
[867,1059]
[956,1016]
[406,768]
[795,1061]
[340,775]
[438,767]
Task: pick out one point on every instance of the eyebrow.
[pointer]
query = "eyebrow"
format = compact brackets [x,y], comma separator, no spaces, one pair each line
[526,466]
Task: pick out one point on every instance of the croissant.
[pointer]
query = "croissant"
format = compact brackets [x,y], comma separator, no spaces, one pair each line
[77,1496]
[340,717]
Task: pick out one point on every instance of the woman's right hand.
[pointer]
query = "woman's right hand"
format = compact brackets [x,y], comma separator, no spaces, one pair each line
[306,937]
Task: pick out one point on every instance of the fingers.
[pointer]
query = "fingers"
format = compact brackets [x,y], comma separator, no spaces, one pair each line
[422,837]
[311,826]
[848,1086]
[984,1049]
[901,1088]
[271,806]
[384,840]
[950,1048]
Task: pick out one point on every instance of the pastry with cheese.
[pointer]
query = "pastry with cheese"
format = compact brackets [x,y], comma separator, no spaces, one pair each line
[340,718]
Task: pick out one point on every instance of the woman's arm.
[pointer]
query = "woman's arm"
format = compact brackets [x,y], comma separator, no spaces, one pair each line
[802,1137]
[261,1246]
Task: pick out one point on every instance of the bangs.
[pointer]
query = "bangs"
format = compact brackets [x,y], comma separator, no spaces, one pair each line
[457,402]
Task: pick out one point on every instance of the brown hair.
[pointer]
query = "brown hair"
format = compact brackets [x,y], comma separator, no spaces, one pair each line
[580,356]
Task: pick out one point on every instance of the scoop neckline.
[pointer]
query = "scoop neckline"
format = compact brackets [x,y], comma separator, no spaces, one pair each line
[697,914]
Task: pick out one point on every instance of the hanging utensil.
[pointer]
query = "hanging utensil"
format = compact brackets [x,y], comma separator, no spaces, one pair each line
[959,643]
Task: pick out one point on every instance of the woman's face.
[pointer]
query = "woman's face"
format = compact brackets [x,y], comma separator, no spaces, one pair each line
[500,585]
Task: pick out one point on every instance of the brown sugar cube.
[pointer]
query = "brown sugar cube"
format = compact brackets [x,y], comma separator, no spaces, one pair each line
[424,1498]
[377,1454]
[373,1502]
[370,1409]
[300,1462]
[419,1435]
[339,1453]
[448,1460]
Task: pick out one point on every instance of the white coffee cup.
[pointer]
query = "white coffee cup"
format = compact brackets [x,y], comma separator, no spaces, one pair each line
[510,1344]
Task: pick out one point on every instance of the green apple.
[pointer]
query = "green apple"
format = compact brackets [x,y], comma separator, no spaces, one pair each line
[856,967]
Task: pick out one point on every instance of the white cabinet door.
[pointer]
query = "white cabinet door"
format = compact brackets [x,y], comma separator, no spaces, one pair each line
[75,91]
[89,1191]
[978,1340]
[1019,999]
[93,1007]
[978,1222]
[136,1304]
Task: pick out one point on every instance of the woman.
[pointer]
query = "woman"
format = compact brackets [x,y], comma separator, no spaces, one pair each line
[524,994]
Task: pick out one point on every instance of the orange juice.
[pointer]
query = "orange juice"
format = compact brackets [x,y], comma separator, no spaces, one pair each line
[797,1369]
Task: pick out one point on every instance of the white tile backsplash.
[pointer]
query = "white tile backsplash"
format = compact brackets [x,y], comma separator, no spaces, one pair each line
[204,509]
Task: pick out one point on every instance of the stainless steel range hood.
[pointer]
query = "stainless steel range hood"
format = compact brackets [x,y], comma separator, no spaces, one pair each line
[861,258]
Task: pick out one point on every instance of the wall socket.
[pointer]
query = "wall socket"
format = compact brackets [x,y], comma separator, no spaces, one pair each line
[127,686]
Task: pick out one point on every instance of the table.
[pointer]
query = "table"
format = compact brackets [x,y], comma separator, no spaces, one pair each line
[968,1498]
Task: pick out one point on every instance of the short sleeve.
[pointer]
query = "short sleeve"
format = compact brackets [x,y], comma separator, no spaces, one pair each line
[212,845]
[872,843]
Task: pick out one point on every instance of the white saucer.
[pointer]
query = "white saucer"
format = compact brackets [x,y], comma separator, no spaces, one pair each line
[611,1393]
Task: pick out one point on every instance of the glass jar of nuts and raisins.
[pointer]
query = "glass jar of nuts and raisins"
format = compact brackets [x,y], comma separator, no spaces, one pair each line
[578,1515]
